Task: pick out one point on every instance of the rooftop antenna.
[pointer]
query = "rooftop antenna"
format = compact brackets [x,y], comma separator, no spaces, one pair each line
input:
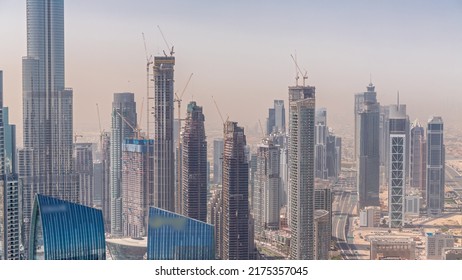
[166,43]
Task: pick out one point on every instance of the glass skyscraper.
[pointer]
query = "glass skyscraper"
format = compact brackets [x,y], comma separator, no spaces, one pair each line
[435,167]
[47,109]
[62,230]
[176,237]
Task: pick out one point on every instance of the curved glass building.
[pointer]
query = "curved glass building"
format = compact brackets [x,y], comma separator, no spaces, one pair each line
[62,230]
[176,237]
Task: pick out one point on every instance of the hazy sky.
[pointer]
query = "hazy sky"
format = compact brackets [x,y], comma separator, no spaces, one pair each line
[239,52]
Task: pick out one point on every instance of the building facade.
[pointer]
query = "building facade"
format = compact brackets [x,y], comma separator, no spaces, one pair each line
[194,165]
[164,172]
[175,237]
[47,109]
[123,124]
[83,155]
[62,230]
[215,217]
[323,233]
[417,157]
[435,167]
[320,149]
[217,161]
[301,171]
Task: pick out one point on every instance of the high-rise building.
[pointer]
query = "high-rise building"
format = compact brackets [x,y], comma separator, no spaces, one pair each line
[47,109]
[84,170]
[252,157]
[333,155]
[176,237]
[123,122]
[267,188]
[276,122]
[194,163]
[217,160]
[301,169]
[397,165]
[137,184]
[105,157]
[9,188]
[321,134]
[417,154]
[323,233]
[164,172]
[215,217]
[367,116]
[435,167]
[62,230]
[323,201]
[235,194]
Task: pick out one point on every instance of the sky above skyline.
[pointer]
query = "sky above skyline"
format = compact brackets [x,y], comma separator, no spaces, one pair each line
[239,52]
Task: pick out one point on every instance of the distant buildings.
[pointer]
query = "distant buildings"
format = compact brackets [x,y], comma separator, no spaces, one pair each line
[323,232]
[392,248]
[123,124]
[235,194]
[276,121]
[105,150]
[418,157]
[62,230]
[175,237]
[215,217]
[136,184]
[367,114]
[323,201]
[301,168]
[164,165]
[321,133]
[194,165]
[369,216]
[435,167]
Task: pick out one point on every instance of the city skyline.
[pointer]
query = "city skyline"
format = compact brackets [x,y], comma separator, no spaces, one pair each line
[341,52]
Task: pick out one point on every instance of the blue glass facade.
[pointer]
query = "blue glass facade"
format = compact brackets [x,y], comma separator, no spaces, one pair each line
[61,230]
[176,237]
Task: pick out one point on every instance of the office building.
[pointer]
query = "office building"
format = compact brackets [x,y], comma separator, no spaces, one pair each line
[367,113]
[412,205]
[369,216]
[83,154]
[267,188]
[105,153]
[333,155]
[137,184]
[62,230]
[436,243]
[194,165]
[323,201]
[176,237]
[123,124]
[164,172]
[217,160]
[417,157]
[11,161]
[321,134]
[301,168]
[435,167]
[397,165]
[276,121]
[47,110]
[235,194]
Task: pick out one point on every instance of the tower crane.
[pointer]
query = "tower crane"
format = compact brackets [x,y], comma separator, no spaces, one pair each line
[166,43]
[136,129]
[305,76]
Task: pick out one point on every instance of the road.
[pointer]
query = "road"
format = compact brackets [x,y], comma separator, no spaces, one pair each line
[343,206]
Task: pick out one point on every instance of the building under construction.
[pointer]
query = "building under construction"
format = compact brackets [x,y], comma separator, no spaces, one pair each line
[137,180]
[194,163]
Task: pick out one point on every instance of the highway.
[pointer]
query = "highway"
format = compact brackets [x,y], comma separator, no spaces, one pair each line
[342,208]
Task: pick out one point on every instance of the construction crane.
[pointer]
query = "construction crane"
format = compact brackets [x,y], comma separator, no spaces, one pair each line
[261,128]
[218,109]
[136,129]
[305,76]
[149,62]
[166,43]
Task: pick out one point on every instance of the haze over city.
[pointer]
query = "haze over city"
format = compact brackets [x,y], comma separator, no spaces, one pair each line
[239,52]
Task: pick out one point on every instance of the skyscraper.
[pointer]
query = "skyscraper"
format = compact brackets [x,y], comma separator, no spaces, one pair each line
[47,109]
[11,161]
[267,187]
[397,165]
[137,184]
[367,116]
[164,172]
[417,156]
[435,167]
[194,163]
[301,168]
[84,171]
[215,217]
[105,149]
[217,160]
[320,152]
[235,194]
[276,121]
[123,122]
